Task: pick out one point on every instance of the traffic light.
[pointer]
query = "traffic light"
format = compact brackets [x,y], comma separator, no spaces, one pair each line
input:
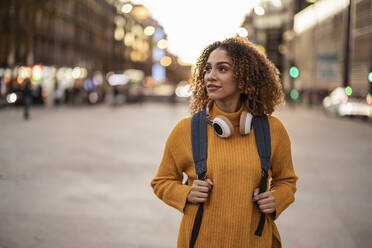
[294,94]
[370,80]
[369,99]
[348,90]
[294,72]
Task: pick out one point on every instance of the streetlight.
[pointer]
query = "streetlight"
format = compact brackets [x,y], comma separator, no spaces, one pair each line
[242,32]
[166,61]
[259,10]
[141,12]
[126,8]
[149,30]
[162,44]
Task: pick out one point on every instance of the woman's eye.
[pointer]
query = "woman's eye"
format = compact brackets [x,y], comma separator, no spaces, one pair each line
[207,69]
[223,69]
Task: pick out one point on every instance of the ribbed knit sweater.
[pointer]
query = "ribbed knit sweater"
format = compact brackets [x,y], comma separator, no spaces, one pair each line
[233,164]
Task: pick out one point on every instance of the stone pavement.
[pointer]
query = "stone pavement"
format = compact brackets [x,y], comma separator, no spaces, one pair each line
[79,177]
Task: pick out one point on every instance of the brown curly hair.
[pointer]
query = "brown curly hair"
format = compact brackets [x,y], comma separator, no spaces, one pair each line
[257,76]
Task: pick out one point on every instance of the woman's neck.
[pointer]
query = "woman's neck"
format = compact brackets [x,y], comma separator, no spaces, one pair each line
[229,106]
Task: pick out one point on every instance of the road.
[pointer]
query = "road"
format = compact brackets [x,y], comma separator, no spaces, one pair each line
[79,177]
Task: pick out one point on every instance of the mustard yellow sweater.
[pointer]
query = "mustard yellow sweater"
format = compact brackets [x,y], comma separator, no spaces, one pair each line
[230,217]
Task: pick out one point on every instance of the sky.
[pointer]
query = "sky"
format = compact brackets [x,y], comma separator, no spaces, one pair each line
[191,25]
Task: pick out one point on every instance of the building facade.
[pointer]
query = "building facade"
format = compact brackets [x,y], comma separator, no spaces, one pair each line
[74,44]
[312,36]
[318,47]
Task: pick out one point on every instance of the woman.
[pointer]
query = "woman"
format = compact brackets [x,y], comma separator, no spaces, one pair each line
[230,77]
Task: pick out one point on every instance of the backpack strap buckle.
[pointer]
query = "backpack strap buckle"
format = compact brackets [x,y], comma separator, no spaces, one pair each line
[264,174]
[202,176]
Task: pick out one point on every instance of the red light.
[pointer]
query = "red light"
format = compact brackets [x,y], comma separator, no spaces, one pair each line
[369,99]
[345,99]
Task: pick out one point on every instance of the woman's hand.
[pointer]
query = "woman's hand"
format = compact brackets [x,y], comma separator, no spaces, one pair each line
[199,191]
[265,201]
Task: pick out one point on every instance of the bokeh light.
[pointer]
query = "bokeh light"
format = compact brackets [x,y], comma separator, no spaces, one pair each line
[127,8]
[242,32]
[37,72]
[166,61]
[259,10]
[348,90]
[149,30]
[162,44]
[294,94]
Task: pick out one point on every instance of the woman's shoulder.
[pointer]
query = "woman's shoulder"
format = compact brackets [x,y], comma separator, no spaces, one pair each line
[183,123]
[276,126]
[180,132]
[275,122]
[182,126]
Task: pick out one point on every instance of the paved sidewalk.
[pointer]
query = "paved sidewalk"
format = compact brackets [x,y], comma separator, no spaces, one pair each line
[79,177]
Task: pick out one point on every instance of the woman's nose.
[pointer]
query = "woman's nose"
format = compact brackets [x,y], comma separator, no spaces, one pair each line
[210,75]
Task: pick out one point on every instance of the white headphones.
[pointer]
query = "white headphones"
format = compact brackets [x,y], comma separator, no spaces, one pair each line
[223,127]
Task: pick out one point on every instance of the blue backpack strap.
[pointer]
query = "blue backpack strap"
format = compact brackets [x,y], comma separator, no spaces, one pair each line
[199,153]
[263,141]
[199,142]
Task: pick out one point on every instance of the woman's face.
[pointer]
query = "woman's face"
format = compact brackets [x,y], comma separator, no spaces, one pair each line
[219,77]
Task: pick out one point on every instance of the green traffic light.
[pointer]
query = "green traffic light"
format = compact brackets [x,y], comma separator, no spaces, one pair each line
[294,94]
[370,77]
[348,90]
[294,72]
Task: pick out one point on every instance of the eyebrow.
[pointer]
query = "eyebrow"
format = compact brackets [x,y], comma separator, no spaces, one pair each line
[220,63]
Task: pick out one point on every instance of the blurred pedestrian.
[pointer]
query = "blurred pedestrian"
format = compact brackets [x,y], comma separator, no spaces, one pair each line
[231,81]
[77,93]
[116,96]
[58,94]
[27,98]
[67,96]
[39,98]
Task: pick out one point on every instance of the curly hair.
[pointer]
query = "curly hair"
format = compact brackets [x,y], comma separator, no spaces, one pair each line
[256,75]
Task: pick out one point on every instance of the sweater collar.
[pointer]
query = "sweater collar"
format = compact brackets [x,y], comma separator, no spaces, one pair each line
[233,117]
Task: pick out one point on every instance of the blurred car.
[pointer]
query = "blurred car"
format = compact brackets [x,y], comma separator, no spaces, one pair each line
[340,104]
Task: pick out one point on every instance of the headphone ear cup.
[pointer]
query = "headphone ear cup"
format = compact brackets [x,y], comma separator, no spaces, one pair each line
[222,126]
[245,123]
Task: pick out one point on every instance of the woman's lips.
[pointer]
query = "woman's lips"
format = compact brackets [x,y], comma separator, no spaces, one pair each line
[213,87]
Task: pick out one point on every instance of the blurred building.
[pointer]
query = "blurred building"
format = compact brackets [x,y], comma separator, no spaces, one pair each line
[266,24]
[60,33]
[317,45]
[61,45]
[73,46]
[311,37]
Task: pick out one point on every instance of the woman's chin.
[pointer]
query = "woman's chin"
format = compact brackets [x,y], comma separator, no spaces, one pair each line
[213,97]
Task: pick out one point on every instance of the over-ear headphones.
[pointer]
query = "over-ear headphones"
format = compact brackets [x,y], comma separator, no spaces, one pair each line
[223,127]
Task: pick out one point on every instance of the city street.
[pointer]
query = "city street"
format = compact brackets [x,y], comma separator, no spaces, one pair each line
[80,178]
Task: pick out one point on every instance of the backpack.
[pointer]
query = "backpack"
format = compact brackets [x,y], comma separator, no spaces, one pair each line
[199,150]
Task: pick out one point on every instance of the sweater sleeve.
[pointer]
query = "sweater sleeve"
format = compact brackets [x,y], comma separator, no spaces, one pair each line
[283,183]
[167,184]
